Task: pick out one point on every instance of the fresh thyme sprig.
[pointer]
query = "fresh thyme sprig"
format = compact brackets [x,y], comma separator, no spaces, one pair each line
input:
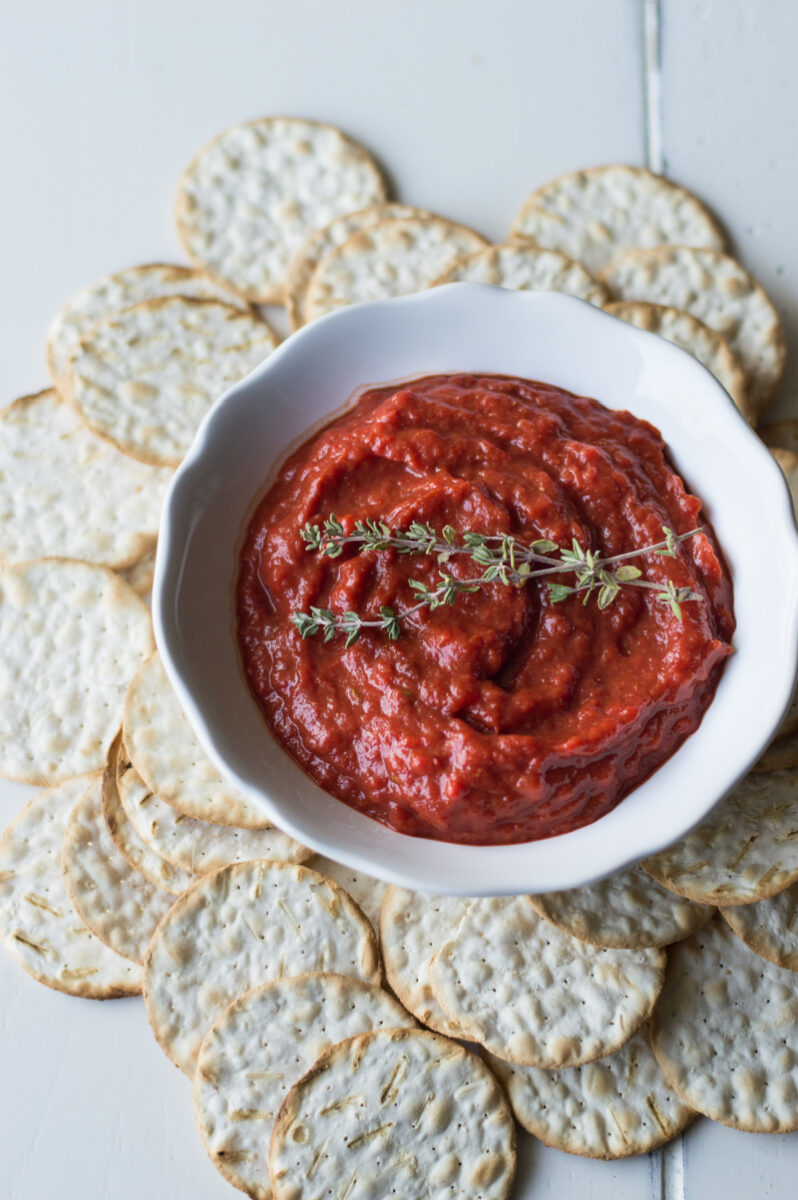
[503,559]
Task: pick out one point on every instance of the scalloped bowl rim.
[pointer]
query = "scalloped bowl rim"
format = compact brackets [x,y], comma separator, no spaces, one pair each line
[456,328]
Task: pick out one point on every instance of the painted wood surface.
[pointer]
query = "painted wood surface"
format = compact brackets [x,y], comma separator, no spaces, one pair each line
[469,105]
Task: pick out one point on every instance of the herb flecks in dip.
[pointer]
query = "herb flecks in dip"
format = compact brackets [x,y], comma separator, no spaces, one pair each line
[505,717]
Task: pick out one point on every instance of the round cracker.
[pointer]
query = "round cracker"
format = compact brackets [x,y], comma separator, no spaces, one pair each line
[710,348]
[38,923]
[788,461]
[600,213]
[322,242]
[257,1050]
[145,378]
[240,927]
[392,258]
[769,927]
[400,1111]
[627,910]
[413,927]
[724,1031]
[527,268]
[112,294]
[140,574]
[536,996]
[71,637]
[252,196]
[190,845]
[144,858]
[720,293]
[117,903]
[611,1108]
[780,435]
[64,491]
[746,850]
[780,755]
[166,754]
[366,891]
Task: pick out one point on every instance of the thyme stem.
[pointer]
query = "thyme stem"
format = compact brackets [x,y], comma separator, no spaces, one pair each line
[503,558]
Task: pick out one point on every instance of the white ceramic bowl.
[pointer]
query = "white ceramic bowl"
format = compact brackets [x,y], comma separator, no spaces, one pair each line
[476,328]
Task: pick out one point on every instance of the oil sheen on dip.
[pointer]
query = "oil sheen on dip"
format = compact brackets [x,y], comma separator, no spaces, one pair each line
[504,718]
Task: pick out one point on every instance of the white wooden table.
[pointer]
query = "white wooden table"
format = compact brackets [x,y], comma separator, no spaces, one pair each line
[469,105]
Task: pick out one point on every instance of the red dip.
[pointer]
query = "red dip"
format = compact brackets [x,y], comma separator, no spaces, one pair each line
[506,717]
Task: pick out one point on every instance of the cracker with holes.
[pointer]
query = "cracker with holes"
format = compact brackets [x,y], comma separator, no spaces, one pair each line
[598,214]
[688,333]
[144,858]
[260,1047]
[323,242]
[38,922]
[725,1029]
[527,268]
[167,755]
[720,293]
[413,927]
[140,574]
[145,378]
[71,638]
[392,258]
[65,492]
[251,198]
[746,850]
[112,294]
[240,927]
[399,1111]
[612,1108]
[627,910]
[366,891]
[187,844]
[536,996]
[769,927]
[117,903]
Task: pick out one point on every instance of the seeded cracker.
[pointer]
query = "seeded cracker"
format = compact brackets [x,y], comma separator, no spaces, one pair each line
[112,294]
[527,268]
[429,1120]
[720,293]
[769,927]
[536,996]
[746,850]
[71,638]
[145,378]
[118,904]
[253,196]
[627,910]
[366,891]
[392,258]
[166,754]
[413,927]
[724,1032]
[260,1047]
[143,857]
[240,927]
[611,1108]
[322,242]
[190,845]
[598,214]
[64,491]
[711,350]
[37,921]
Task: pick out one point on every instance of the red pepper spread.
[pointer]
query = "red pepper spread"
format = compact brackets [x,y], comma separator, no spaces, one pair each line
[506,717]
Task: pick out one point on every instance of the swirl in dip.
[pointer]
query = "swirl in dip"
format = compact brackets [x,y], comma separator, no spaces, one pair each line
[504,718]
